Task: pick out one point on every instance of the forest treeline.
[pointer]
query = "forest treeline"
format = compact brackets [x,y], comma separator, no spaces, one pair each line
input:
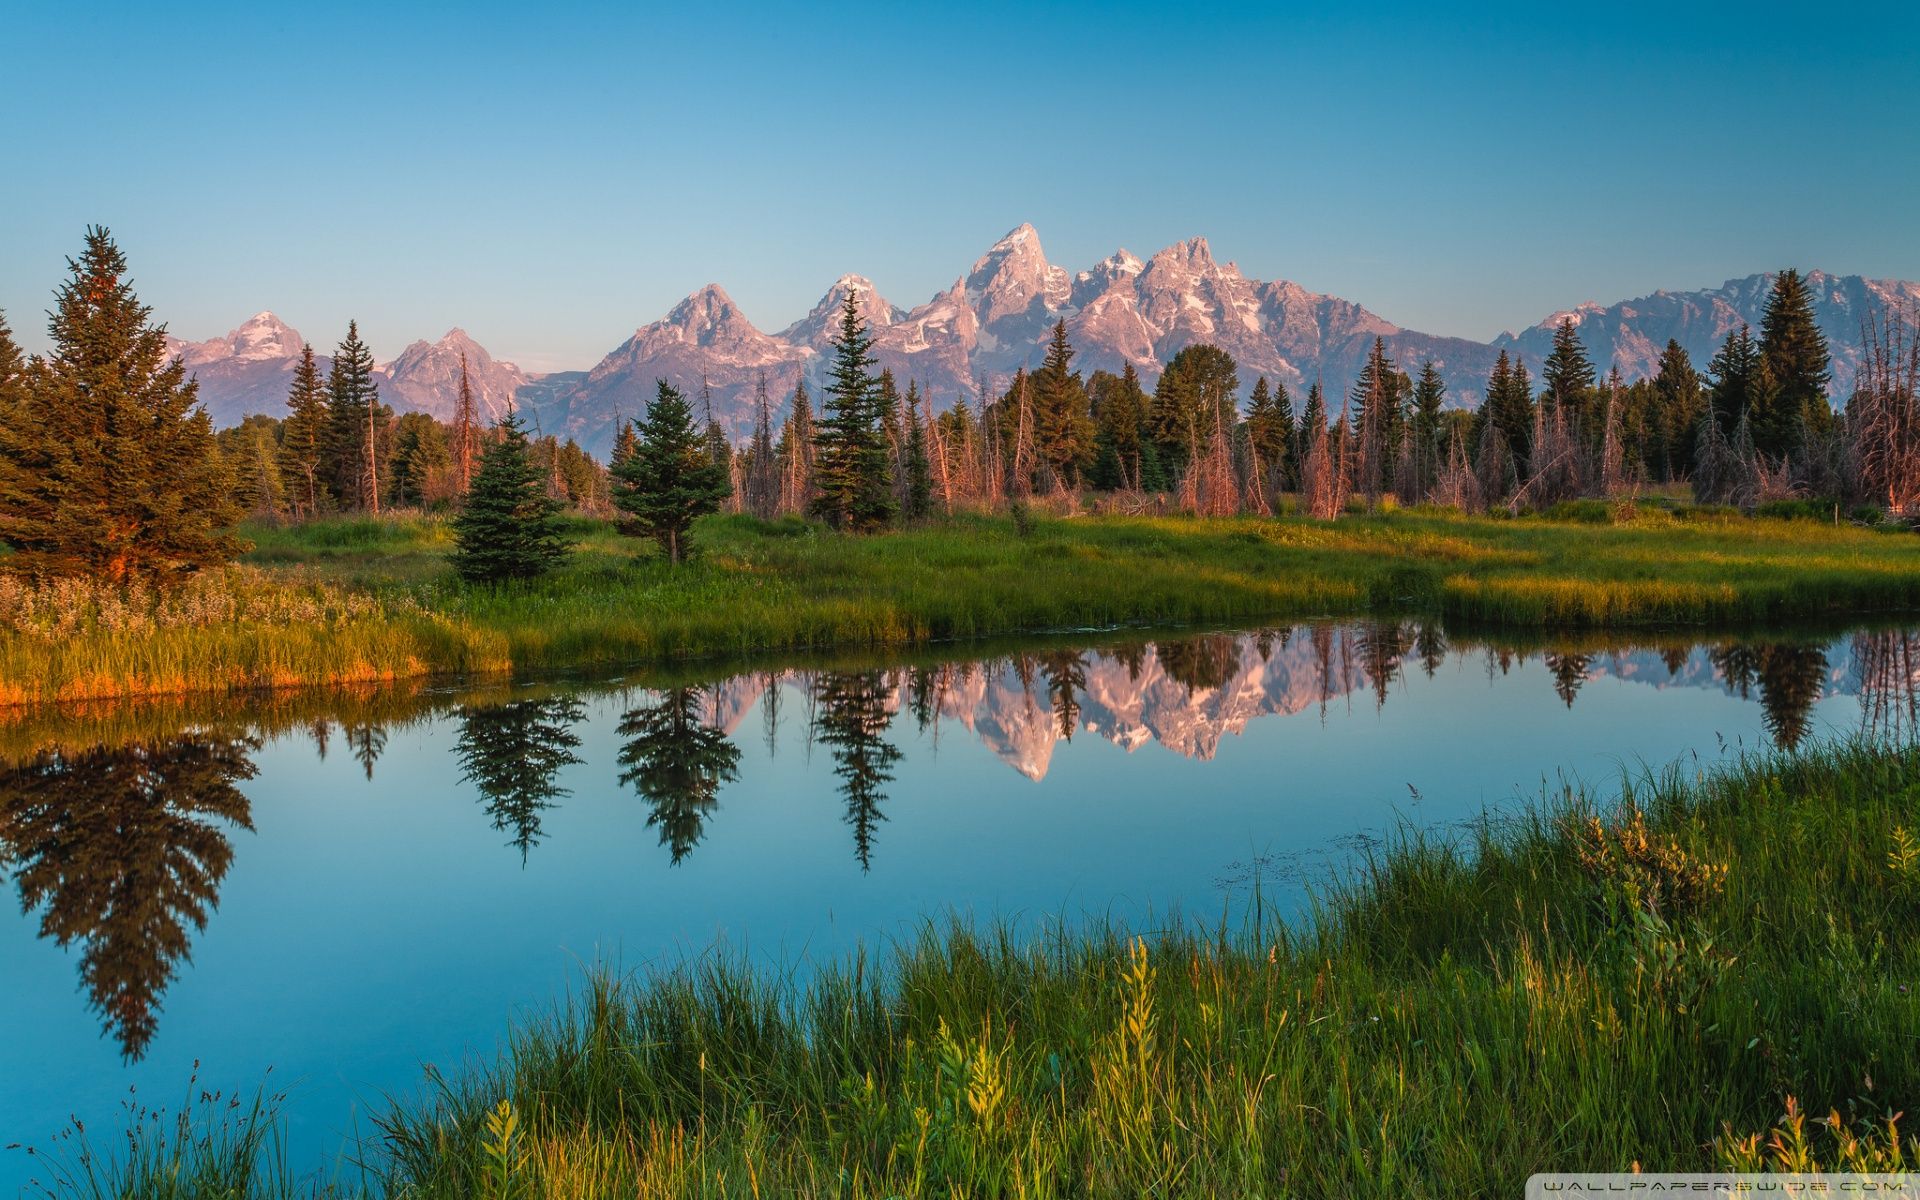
[109,467]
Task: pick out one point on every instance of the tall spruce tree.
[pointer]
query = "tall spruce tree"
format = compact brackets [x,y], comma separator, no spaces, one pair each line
[1798,366]
[1270,431]
[1120,414]
[1062,425]
[1429,419]
[1313,419]
[303,439]
[1740,385]
[671,478]
[1679,404]
[13,372]
[918,499]
[852,477]
[509,525]
[762,496]
[1569,376]
[1508,407]
[357,423]
[108,465]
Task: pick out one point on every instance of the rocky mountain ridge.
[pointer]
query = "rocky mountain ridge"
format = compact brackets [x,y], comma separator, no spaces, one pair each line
[995,319]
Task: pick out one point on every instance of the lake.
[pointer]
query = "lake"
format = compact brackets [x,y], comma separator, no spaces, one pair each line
[321,892]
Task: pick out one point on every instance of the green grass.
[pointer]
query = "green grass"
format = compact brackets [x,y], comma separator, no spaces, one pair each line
[1546,993]
[395,609]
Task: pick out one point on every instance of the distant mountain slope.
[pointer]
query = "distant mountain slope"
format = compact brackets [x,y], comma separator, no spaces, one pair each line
[995,319]
[1632,333]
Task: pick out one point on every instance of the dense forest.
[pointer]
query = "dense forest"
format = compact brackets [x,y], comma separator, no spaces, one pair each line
[108,467]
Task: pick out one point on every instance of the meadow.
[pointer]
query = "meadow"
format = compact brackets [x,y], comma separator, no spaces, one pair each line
[1720,971]
[352,601]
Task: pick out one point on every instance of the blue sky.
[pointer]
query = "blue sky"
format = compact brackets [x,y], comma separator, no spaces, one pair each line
[551,177]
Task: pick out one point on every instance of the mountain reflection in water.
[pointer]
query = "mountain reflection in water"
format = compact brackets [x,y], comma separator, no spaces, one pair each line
[118,823]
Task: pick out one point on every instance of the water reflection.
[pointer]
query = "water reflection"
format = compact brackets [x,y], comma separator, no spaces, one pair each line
[121,850]
[677,761]
[511,752]
[116,821]
[851,715]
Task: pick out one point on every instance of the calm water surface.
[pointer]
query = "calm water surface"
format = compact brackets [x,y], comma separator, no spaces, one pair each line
[340,888]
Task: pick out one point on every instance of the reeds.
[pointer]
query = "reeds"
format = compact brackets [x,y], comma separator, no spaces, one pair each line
[342,601]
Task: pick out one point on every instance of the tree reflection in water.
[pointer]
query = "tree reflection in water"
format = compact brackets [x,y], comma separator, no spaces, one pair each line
[512,752]
[126,848]
[677,761]
[851,721]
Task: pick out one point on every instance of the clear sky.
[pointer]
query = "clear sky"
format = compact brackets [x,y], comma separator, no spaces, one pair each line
[551,176]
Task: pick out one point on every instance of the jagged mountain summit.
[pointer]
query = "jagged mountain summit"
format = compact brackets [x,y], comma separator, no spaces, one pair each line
[995,319]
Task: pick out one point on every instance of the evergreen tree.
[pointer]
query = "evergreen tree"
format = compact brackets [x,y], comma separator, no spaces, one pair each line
[1569,376]
[1795,354]
[1270,430]
[108,465]
[853,483]
[1120,414]
[255,468]
[13,371]
[508,527]
[1313,418]
[918,467]
[421,460]
[1740,385]
[1508,408]
[303,440]
[670,479]
[357,423]
[677,762]
[795,454]
[1678,406]
[763,473]
[1429,418]
[1379,417]
[625,442]
[1062,425]
[1199,385]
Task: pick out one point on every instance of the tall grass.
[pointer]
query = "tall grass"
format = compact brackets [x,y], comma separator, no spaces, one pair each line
[1675,982]
[388,606]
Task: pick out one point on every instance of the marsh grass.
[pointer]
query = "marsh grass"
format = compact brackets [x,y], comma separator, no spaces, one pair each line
[355,600]
[1675,986]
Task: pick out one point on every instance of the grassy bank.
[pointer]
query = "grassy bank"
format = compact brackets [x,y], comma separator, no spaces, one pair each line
[1662,987]
[352,601]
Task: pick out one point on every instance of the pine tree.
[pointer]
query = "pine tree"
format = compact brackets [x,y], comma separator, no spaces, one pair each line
[625,442]
[795,452]
[1062,426]
[918,467]
[1198,383]
[1313,417]
[1794,352]
[762,489]
[1120,414]
[508,527]
[851,475]
[13,370]
[670,479]
[357,423]
[1508,408]
[1270,432]
[1429,404]
[422,463]
[1741,388]
[303,439]
[1378,418]
[466,428]
[1569,376]
[1678,407]
[108,465]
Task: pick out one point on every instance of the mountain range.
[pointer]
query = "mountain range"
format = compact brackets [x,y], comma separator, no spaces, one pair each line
[996,318]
